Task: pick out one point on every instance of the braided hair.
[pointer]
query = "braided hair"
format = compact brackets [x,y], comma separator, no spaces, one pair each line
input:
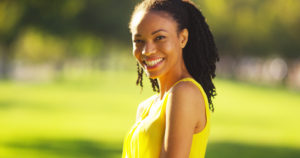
[200,53]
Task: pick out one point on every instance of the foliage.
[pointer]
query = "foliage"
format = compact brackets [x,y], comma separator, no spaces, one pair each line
[255,26]
[53,31]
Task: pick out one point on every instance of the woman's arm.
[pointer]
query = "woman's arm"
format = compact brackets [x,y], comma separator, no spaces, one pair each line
[185,114]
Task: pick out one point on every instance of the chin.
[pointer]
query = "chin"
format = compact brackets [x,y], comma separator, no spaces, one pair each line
[152,75]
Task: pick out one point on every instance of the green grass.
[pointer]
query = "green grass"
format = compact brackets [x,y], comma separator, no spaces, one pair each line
[89,115]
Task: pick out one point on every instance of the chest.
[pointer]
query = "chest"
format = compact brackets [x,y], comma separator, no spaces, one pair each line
[154,120]
[155,109]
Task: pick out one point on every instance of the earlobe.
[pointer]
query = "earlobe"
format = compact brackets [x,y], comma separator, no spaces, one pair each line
[184,36]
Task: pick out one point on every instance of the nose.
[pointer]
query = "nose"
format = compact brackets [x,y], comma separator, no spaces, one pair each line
[149,48]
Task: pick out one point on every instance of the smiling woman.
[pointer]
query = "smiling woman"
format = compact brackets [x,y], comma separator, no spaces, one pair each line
[173,44]
[158,48]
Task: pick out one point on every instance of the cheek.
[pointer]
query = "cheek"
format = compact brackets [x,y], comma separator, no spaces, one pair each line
[165,47]
[137,54]
[171,48]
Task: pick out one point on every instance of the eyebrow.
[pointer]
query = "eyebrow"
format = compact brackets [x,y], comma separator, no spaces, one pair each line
[154,32]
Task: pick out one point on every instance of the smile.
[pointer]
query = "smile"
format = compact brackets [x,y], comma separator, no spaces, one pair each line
[153,63]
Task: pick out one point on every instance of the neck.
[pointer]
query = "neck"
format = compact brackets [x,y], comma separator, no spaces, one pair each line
[167,81]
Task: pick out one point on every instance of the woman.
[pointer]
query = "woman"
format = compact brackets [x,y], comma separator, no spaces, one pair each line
[174,46]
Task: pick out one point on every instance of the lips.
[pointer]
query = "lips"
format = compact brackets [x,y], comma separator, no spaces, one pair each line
[153,62]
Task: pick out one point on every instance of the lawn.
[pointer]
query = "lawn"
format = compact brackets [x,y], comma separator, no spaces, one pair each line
[87,115]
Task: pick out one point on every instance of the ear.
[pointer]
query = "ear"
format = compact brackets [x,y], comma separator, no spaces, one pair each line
[183,37]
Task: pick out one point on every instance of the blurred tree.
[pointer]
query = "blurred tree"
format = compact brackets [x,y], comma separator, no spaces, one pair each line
[257,27]
[35,29]
[64,23]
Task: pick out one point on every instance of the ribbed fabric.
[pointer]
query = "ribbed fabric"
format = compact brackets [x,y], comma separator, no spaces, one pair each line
[145,138]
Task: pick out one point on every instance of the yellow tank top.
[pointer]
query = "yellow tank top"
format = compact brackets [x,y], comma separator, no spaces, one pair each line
[145,138]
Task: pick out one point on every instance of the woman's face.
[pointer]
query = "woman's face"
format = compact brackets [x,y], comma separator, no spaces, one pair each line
[157,45]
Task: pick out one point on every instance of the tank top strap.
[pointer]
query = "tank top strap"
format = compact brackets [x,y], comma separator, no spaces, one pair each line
[200,88]
[193,81]
[182,80]
[185,79]
[164,101]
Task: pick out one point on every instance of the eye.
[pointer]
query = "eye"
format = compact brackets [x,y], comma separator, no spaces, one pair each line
[159,38]
[137,41]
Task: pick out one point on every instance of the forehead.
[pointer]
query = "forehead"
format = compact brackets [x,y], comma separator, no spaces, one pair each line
[147,22]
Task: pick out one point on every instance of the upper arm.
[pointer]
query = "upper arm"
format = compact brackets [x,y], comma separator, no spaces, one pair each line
[182,116]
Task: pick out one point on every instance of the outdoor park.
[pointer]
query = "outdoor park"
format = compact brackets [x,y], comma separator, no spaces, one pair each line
[67,86]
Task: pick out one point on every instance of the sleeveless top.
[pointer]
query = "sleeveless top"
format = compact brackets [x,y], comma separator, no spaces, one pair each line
[145,138]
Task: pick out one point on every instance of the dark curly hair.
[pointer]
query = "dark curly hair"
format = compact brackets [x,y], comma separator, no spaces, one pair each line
[200,53]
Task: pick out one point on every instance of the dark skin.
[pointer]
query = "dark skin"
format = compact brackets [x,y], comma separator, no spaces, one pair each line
[157,46]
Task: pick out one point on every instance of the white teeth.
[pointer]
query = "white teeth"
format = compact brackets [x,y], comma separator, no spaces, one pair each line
[153,62]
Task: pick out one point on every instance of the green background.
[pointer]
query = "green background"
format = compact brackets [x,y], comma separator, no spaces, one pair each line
[88,116]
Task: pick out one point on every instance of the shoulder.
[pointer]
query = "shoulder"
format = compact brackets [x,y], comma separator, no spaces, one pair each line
[184,109]
[143,105]
[186,91]
[185,100]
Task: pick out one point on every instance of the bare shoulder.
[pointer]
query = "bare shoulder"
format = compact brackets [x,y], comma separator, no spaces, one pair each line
[187,100]
[184,118]
[187,91]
